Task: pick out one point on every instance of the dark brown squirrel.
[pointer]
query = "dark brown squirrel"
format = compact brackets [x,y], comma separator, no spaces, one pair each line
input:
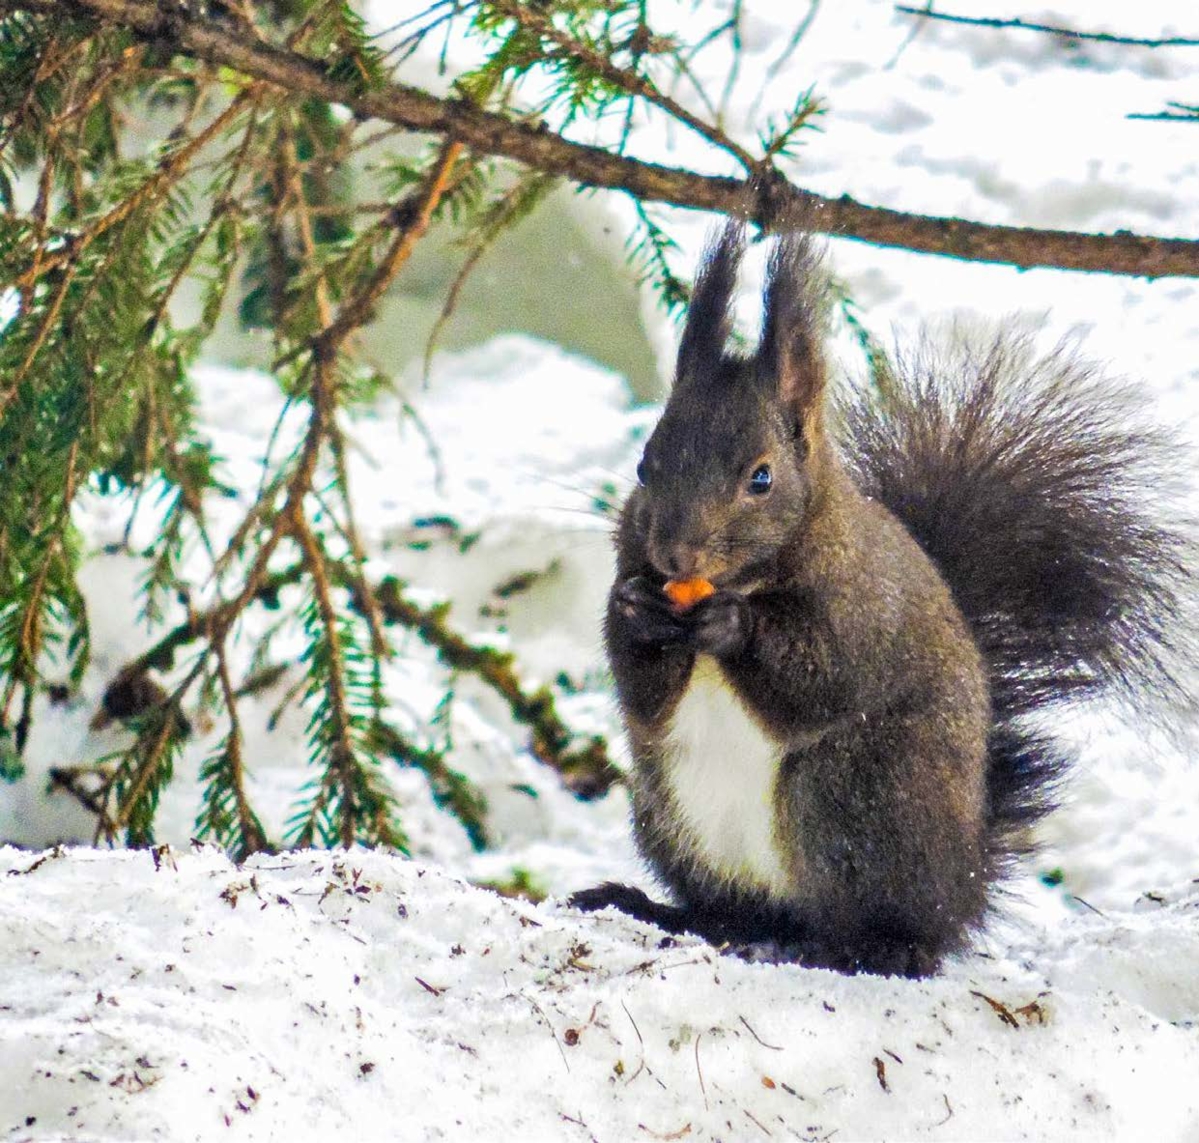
[833,760]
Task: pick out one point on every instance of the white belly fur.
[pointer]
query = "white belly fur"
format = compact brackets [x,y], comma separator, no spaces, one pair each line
[721,771]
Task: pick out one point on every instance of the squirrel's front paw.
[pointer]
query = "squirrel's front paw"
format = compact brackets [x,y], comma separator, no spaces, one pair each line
[721,624]
[646,615]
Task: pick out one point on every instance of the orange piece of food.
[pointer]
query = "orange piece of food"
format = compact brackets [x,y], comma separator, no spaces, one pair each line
[685,593]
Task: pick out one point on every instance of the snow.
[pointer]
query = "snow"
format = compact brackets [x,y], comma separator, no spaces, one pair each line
[310,996]
[172,995]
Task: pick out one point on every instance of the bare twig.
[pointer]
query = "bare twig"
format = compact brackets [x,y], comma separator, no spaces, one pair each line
[75,781]
[1183,112]
[1052,29]
[800,30]
[749,1028]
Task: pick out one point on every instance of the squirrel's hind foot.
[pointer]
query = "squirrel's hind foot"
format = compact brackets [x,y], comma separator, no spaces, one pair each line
[637,904]
[880,954]
[878,958]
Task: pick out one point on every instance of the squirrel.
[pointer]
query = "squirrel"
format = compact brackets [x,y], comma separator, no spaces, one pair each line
[833,759]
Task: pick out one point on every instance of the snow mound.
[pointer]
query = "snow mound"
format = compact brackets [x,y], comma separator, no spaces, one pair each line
[168,995]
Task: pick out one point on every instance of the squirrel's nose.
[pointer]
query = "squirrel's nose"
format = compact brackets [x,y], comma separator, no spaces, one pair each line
[676,560]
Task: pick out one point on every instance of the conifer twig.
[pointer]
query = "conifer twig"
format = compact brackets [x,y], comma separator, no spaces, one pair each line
[411,226]
[529,17]
[253,839]
[169,171]
[586,770]
[342,748]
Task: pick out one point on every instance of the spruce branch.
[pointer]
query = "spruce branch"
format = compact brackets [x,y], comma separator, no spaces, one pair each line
[23,670]
[131,787]
[770,202]
[172,167]
[514,204]
[451,789]
[277,111]
[411,227]
[69,258]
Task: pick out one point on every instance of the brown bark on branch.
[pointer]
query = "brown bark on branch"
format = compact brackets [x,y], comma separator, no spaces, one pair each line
[768,200]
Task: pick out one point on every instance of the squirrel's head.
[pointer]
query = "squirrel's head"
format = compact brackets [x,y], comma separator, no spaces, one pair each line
[733,468]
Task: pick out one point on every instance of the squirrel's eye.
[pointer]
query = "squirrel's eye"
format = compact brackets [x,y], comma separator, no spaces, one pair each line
[641,472]
[760,480]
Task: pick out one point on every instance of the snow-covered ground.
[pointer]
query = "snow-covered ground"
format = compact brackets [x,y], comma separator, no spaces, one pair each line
[325,996]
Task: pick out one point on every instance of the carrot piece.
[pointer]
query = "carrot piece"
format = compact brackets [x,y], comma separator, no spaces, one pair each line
[686,593]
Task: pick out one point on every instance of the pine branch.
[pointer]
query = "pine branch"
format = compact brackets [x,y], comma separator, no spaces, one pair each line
[770,202]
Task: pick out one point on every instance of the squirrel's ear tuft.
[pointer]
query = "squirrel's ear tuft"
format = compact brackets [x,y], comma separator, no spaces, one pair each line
[791,353]
[708,321]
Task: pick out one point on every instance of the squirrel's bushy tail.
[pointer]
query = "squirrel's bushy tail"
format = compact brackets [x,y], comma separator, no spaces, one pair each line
[1043,494]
